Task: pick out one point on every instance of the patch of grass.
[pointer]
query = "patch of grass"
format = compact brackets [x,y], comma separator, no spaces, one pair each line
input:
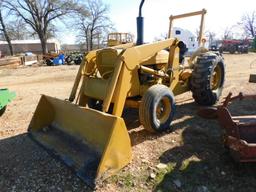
[186,162]
[112,179]
[125,180]
[161,174]
[128,180]
[191,174]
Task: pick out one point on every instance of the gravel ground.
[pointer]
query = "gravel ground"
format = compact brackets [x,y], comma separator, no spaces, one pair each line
[26,167]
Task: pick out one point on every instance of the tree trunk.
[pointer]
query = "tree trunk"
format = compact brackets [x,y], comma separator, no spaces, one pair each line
[91,40]
[9,42]
[87,41]
[43,41]
[98,40]
[87,44]
[7,38]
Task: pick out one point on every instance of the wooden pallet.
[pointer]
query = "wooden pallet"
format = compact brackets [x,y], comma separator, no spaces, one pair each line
[10,62]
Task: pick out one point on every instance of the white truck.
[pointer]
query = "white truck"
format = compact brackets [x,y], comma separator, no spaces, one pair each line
[187,37]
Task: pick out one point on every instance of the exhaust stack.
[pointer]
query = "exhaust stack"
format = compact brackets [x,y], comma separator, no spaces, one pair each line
[140,26]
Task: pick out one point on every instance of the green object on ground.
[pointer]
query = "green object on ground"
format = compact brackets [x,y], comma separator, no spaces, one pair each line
[5,97]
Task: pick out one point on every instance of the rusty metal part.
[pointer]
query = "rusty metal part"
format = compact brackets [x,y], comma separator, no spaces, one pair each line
[208,112]
[240,131]
[240,136]
[211,112]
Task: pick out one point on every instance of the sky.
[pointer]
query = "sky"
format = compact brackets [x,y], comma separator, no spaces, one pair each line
[220,15]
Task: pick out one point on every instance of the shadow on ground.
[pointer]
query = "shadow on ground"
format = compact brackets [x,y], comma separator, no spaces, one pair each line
[201,163]
[131,117]
[24,166]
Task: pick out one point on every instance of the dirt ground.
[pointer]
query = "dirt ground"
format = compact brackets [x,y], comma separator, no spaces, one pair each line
[192,155]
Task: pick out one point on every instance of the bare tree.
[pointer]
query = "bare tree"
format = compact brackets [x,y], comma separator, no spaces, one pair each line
[18,30]
[3,29]
[39,14]
[211,36]
[161,37]
[94,24]
[249,23]
[227,34]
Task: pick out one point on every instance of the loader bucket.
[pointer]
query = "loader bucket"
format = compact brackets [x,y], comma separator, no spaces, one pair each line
[94,144]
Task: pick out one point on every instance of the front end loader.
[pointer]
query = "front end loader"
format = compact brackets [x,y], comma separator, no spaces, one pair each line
[88,132]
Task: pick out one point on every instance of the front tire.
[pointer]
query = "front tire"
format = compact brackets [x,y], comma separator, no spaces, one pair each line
[49,62]
[157,109]
[208,79]
[232,50]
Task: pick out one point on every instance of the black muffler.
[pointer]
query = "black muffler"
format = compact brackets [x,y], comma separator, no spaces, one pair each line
[140,26]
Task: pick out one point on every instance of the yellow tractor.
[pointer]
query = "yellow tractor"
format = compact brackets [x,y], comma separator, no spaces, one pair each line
[115,39]
[88,132]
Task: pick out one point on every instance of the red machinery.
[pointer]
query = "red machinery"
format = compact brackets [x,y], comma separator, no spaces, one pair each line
[240,131]
[234,45]
[240,136]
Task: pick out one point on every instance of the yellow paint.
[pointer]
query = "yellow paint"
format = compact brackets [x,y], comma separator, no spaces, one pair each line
[106,133]
[115,39]
[113,75]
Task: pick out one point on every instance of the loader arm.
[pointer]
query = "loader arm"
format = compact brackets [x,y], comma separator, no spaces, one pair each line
[126,65]
[72,95]
[87,66]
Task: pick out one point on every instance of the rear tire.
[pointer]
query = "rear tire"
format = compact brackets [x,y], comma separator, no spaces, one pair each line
[49,62]
[207,79]
[157,109]
[221,50]
[232,50]
[68,60]
[2,111]
[78,61]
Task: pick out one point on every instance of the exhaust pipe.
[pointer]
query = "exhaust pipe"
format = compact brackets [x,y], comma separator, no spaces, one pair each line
[140,26]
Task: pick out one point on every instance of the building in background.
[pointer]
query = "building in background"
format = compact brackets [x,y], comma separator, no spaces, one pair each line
[34,46]
[69,48]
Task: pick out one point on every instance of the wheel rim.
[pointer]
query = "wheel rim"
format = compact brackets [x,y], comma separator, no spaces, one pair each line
[163,110]
[216,78]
